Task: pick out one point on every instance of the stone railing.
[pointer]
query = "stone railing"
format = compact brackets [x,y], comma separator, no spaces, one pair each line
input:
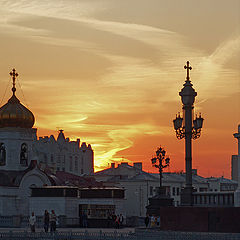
[213,199]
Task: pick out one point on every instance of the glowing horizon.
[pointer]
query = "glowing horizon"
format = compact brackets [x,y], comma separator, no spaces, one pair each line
[109,72]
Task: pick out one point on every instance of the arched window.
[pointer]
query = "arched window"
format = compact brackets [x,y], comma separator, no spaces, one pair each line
[2,154]
[76,164]
[24,155]
[70,164]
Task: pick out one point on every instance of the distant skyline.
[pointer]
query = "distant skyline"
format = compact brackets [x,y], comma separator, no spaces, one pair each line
[109,72]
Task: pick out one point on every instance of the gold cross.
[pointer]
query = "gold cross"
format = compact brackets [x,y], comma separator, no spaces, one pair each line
[188,67]
[14,74]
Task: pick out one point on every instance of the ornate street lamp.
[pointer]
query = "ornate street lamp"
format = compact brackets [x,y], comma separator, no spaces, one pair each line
[160,199]
[160,161]
[189,129]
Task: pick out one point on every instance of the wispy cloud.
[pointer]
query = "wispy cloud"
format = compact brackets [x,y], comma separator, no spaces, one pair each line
[215,71]
[109,81]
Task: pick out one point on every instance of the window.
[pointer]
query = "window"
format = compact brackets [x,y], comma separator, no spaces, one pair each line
[202,189]
[81,171]
[45,158]
[76,164]
[173,191]
[97,211]
[70,164]
[58,159]
[2,154]
[178,191]
[52,158]
[151,190]
[24,155]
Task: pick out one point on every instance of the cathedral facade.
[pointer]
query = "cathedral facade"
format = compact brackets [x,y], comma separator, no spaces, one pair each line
[24,158]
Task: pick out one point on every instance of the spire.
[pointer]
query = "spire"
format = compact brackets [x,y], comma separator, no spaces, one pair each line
[188,67]
[61,137]
[13,74]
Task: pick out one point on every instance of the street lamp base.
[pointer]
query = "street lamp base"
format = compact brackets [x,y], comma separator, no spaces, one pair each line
[186,196]
[161,199]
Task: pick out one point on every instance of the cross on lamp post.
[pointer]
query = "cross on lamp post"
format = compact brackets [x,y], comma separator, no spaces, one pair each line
[189,129]
[160,162]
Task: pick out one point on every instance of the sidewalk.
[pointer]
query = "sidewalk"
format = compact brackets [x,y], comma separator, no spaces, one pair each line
[90,230]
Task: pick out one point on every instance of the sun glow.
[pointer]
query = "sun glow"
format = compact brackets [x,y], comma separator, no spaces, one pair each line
[113,80]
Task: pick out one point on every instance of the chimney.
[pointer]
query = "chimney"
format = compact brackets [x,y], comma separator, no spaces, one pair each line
[138,165]
[112,165]
[78,142]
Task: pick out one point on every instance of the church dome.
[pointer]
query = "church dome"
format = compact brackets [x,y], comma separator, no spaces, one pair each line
[13,113]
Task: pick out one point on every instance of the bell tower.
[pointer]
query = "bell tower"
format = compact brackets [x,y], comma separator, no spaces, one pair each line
[16,133]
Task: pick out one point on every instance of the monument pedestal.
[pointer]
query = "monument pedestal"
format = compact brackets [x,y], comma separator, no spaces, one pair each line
[237,198]
[161,199]
[186,196]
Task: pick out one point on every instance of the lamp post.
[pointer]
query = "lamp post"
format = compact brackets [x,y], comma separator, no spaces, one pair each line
[189,129]
[161,199]
[160,162]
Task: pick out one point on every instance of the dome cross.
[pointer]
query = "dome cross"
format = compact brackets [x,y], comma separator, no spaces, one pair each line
[13,74]
[188,67]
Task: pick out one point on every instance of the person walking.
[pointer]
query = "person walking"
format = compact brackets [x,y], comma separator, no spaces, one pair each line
[53,220]
[146,220]
[109,220]
[152,221]
[85,219]
[121,220]
[46,220]
[32,222]
[117,222]
[159,221]
[114,220]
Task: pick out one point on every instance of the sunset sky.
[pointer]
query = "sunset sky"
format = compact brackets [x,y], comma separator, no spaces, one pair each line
[109,72]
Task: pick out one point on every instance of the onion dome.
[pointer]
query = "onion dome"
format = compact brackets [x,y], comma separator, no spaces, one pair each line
[13,113]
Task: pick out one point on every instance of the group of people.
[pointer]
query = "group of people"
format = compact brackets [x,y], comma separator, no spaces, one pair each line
[49,220]
[115,220]
[152,221]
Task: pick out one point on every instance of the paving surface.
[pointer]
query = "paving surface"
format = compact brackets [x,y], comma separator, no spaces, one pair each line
[94,230]
[111,234]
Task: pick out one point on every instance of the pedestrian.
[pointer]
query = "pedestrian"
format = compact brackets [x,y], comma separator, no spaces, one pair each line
[53,220]
[46,220]
[32,222]
[159,221]
[155,221]
[146,220]
[121,220]
[109,219]
[117,223]
[152,221]
[84,219]
[114,220]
